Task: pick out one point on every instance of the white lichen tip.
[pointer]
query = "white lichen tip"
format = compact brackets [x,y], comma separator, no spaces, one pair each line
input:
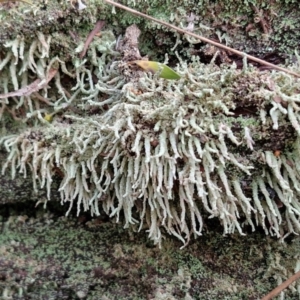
[81,5]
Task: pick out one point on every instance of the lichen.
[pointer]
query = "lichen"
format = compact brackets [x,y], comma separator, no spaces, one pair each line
[155,154]
[267,29]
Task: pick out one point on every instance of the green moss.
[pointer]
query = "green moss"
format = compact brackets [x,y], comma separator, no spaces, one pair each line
[237,21]
[60,257]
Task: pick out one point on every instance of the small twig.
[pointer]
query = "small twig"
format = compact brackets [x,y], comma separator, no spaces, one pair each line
[261,20]
[13,113]
[41,98]
[206,40]
[281,287]
[31,88]
[90,37]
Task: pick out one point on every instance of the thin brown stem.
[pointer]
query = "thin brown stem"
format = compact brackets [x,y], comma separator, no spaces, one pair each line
[90,37]
[281,287]
[206,40]
[261,20]
[41,98]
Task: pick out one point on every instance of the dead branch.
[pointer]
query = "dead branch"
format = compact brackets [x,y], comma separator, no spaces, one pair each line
[90,37]
[31,88]
[281,287]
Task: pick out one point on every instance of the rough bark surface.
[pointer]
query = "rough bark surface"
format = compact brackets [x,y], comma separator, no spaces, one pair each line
[20,189]
[45,255]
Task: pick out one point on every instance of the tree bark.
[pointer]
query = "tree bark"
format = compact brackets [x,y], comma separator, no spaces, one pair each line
[20,189]
[61,257]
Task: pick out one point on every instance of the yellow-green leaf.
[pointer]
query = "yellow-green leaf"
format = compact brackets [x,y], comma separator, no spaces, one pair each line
[154,66]
[48,117]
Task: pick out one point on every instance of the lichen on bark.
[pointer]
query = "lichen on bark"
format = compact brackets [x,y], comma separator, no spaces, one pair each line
[242,120]
[159,154]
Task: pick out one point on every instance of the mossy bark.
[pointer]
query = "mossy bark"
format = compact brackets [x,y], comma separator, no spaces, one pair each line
[83,258]
[258,27]
[263,28]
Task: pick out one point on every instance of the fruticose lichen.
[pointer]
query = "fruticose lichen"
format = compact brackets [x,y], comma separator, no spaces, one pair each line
[156,154]
[267,29]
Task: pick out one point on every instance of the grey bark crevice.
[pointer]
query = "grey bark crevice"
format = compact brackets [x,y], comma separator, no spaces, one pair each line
[20,189]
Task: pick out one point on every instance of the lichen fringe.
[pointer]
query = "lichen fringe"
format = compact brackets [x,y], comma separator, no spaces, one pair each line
[160,154]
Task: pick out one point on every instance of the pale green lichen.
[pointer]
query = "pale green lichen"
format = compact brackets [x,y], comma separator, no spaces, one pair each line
[160,154]
[262,27]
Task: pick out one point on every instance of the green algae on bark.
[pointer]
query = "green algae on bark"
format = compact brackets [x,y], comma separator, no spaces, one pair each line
[44,254]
